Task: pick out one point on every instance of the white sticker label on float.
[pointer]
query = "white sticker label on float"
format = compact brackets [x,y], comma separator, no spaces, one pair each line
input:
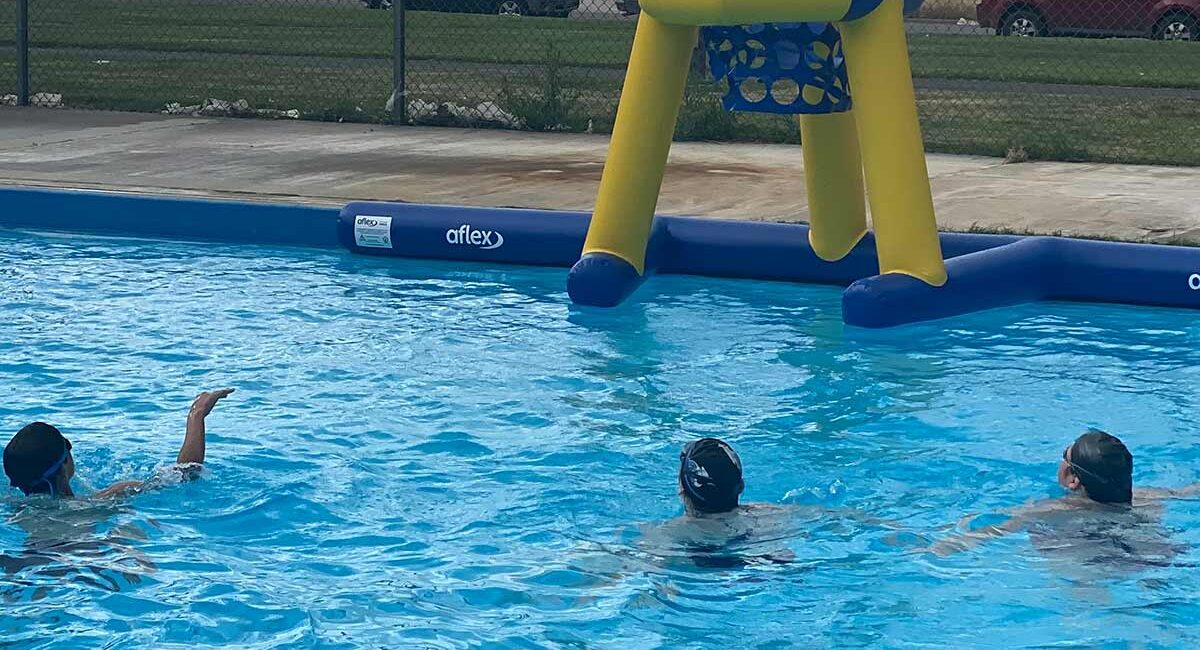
[1194,282]
[468,235]
[373,232]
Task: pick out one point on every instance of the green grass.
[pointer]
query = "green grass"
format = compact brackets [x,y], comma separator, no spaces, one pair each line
[329,31]
[347,30]
[1084,61]
[1048,126]
[150,83]
[1070,127]
[1101,128]
[334,62]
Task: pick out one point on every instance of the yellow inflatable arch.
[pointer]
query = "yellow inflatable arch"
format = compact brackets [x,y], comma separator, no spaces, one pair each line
[874,147]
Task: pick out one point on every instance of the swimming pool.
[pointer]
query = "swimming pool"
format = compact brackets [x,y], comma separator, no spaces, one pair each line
[439,455]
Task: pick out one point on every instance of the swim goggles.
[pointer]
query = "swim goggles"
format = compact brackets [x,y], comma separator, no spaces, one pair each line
[1077,468]
[53,469]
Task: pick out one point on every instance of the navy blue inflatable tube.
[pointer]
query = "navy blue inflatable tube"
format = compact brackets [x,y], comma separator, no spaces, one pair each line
[985,271]
[505,236]
[678,245]
[1136,274]
[1011,274]
[1036,268]
[604,280]
[168,217]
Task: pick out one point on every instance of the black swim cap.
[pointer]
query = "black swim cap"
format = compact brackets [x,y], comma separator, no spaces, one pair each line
[1104,467]
[34,456]
[711,475]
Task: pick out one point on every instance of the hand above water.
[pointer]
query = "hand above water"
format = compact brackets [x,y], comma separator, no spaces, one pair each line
[193,441]
[204,402]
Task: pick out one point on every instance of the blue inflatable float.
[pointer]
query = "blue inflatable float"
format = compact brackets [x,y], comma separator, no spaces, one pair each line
[984,271]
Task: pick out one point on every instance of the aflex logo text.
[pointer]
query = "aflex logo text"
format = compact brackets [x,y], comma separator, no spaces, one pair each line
[465,235]
[1194,282]
[369,222]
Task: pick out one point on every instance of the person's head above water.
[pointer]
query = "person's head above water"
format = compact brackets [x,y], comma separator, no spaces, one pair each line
[38,461]
[710,476]
[1100,466]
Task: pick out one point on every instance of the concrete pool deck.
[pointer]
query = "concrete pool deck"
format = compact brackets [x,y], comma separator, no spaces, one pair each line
[330,164]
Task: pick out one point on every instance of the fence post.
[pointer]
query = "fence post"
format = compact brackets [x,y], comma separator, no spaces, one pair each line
[399,61]
[22,52]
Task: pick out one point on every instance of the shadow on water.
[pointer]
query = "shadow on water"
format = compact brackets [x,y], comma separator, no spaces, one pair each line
[624,355]
[71,542]
[1090,544]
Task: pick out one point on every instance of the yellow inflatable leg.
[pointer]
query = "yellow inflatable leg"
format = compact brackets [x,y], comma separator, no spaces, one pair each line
[641,140]
[833,176]
[885,110]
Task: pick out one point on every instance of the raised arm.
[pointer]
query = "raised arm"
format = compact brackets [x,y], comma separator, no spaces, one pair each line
[192,451]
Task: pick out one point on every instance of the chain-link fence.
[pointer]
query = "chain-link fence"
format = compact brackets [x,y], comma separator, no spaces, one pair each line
[1107,80]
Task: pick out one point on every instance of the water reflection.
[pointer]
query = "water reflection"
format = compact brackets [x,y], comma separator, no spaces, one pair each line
[91,543]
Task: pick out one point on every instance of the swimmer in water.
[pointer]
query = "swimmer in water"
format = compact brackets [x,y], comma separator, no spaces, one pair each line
[38,459]
[710,478]
[717,530]
[1097,471]
[1098,467]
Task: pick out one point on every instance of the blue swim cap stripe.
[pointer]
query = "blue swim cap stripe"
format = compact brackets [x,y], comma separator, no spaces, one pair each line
[49,473]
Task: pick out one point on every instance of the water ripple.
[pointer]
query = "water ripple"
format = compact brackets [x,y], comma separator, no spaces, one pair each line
[437,456]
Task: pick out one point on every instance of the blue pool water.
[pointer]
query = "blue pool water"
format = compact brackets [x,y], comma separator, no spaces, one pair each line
[431,455]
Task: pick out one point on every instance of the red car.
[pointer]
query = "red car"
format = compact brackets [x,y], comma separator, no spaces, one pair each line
[1173,20]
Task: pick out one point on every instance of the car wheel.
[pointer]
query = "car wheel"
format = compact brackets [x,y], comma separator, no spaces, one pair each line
[1176,27]
[1023,22]
[511,8]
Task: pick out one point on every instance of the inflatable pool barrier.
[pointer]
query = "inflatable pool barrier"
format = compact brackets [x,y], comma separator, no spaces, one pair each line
[983,271]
